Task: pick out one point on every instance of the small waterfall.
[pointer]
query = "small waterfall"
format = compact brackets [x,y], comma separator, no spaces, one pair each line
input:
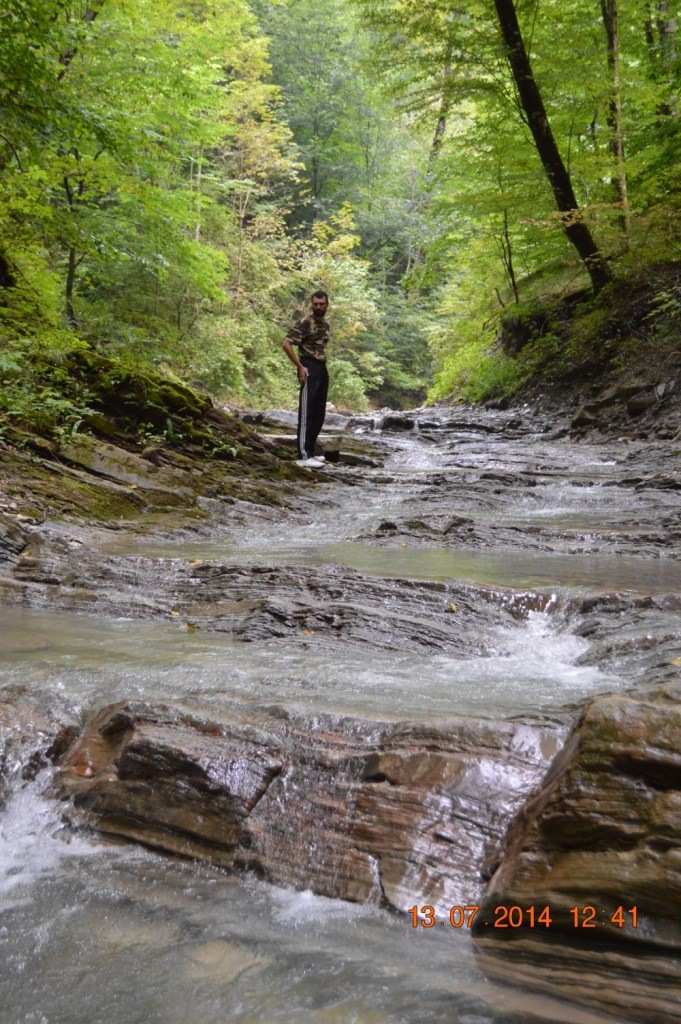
[33,837]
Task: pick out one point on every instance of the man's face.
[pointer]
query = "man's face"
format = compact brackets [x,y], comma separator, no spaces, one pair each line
[319,308]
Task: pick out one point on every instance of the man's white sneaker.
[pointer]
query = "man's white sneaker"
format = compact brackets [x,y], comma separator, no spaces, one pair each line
[309,463]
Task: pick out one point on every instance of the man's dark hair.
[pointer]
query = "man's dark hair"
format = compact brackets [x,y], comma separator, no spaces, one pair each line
[320,295]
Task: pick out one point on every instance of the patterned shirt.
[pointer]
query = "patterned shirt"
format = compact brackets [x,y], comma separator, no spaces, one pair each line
[311,336]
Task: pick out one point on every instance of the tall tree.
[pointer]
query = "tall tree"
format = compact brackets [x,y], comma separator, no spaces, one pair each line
[610,14]
[311,50]
[532,104]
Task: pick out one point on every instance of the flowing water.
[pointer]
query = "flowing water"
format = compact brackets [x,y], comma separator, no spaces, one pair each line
[531,663]
[96,931]
[102,933]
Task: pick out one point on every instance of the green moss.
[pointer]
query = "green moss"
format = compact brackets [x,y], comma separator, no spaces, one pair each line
[173,425]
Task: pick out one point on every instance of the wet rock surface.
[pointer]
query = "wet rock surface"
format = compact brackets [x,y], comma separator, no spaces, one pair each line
[598,844]
[393,813]
[273,603]
[13,540]
[33,735]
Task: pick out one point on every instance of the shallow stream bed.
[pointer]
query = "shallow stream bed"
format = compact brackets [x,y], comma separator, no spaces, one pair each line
[490,576]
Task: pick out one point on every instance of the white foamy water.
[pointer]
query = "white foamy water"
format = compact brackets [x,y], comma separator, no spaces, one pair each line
[131,938]
[34,841]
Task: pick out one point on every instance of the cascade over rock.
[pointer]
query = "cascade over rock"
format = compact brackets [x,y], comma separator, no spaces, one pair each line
[570,807]
[31,736]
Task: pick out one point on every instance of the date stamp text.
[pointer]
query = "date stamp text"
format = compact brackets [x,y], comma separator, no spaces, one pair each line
[514,916]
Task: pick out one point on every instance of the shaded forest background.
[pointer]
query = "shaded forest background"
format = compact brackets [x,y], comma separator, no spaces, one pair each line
[177,176]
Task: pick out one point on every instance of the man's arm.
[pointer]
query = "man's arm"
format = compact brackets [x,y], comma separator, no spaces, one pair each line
[287,346]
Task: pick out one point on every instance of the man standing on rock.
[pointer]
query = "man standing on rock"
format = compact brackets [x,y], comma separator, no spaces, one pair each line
[311,336]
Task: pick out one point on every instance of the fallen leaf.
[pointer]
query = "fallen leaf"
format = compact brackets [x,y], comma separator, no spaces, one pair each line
[175,614]
[84,769]
[403,545]
[676,661]
[308,632]
[452,607]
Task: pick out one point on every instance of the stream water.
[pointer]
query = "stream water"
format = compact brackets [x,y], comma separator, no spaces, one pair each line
[101,932]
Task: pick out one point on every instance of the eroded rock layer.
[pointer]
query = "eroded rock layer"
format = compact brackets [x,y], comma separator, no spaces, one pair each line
[399,814]
[600,846]
[402,814]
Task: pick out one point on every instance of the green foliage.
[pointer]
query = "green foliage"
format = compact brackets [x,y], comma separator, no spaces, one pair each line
[494,228]
[631,328]
[37,393]
[400,341]
[364,159]
[346,387]
[146,174]
[476,374]
[177,176]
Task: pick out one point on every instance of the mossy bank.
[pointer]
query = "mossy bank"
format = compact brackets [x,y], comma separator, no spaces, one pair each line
[124,445]
[610,360]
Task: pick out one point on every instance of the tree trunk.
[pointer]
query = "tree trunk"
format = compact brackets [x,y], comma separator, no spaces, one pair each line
[7,277]
[445,106]
[241,209]
[196,184]
[73,260]
[576,230]
[660,30]
[314,176]
[417,255]
[70,284]
[610,22]
[648,29]
[65,58]
[666,26]
[507,257]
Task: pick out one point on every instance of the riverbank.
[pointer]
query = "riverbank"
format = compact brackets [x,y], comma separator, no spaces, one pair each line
[564,343]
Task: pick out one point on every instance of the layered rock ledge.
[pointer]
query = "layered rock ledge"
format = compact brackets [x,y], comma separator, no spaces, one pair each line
[393,813]
[400,814]
[600,845]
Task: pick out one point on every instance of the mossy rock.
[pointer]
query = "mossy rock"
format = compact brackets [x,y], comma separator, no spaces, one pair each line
[139,397]
[127,468]
[136,443]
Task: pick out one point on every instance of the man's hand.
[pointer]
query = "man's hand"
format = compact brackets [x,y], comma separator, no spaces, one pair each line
[302,374]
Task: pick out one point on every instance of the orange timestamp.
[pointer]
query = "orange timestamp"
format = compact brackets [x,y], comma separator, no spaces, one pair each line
[523,917]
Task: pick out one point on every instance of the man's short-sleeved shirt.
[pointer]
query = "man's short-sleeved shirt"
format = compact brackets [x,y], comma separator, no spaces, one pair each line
[311,336]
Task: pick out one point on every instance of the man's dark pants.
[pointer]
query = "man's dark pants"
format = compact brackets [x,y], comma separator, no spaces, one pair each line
[312,406]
